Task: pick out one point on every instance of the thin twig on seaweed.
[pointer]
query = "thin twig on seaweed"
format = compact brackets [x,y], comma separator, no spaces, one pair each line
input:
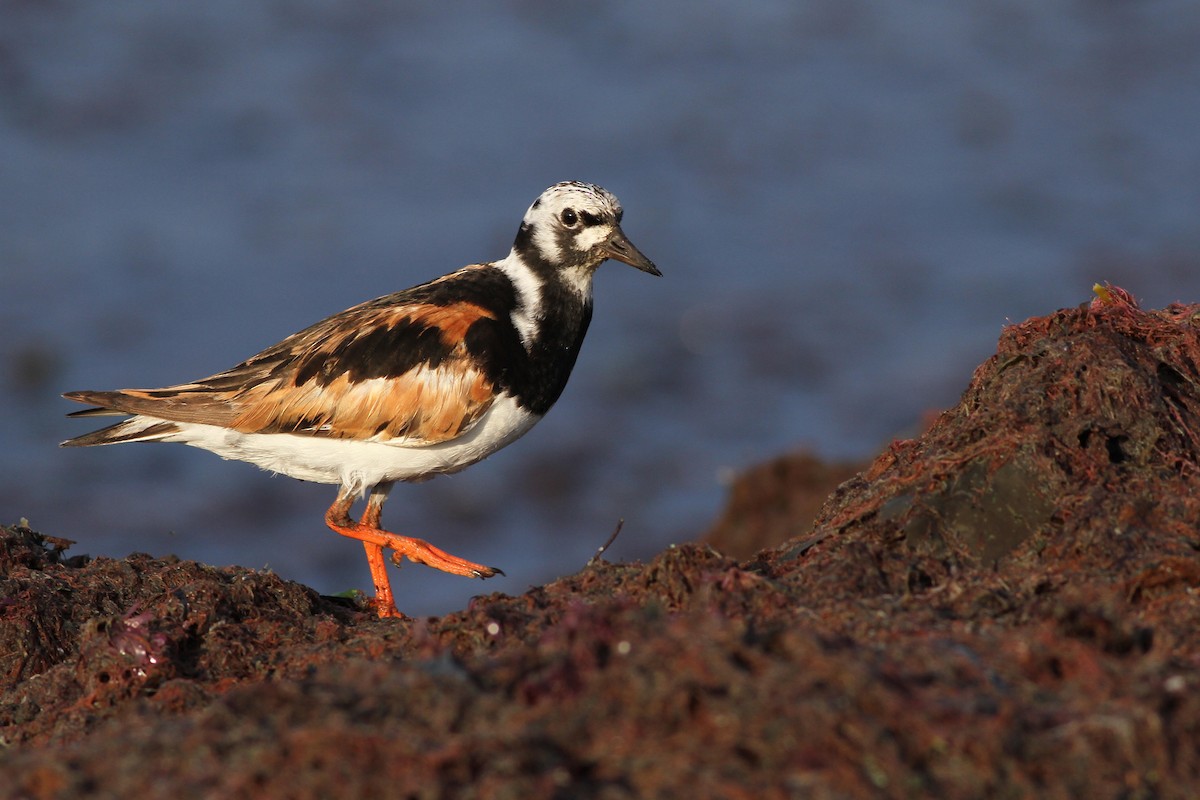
[600,551]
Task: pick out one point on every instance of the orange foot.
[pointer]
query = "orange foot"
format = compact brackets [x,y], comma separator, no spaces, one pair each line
[375,539]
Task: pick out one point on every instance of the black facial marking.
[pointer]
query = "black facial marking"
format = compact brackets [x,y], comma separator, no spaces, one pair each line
[523,244]
[590,219]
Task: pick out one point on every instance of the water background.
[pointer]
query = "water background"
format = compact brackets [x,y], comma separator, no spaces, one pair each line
[848,199]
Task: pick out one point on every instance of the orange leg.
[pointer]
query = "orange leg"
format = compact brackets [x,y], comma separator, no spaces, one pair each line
[375,539]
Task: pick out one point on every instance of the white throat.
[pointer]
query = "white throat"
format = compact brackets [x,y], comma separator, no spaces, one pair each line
[579,279]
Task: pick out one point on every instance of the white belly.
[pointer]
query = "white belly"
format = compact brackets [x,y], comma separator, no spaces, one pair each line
[359,465]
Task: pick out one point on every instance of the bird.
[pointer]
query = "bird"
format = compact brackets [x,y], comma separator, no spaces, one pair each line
[422,382]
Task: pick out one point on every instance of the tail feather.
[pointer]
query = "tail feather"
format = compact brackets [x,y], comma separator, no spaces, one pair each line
[137,428]
[108,402]
[134,429]
[99,412]
[184,403]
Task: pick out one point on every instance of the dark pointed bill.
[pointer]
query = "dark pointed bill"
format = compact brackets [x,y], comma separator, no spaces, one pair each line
[620,248]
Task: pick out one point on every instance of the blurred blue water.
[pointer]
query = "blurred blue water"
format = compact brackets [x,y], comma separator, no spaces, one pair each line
[848,198]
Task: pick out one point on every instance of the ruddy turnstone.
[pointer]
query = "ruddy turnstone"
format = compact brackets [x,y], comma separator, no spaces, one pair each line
[418,383]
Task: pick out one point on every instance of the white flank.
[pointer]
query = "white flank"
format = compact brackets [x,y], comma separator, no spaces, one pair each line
[359,465]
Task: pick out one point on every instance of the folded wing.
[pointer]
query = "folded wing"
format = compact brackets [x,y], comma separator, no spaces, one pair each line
[385,370]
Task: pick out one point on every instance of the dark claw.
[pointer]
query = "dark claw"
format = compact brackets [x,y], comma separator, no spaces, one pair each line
[489,572]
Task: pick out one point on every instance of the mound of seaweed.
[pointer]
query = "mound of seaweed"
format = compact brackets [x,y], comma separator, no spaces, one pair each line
[1004,606]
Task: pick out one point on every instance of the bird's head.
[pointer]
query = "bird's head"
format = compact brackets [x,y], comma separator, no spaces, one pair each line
[574,227]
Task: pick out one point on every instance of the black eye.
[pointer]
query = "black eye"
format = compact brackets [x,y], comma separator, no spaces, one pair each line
[569,218]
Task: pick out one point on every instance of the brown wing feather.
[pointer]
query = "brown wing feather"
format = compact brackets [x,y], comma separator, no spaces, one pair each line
[424,404]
